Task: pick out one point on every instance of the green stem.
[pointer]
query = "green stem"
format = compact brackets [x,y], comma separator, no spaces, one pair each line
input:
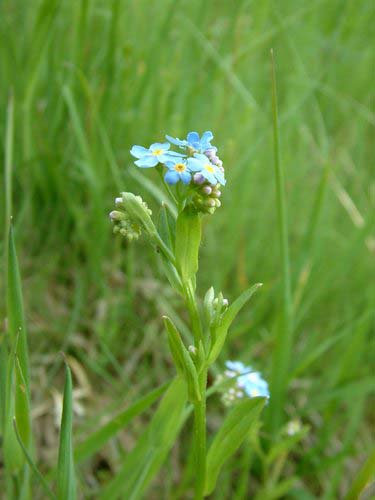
[200,440]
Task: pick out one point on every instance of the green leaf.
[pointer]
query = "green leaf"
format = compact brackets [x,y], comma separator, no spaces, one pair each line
[32,465]
[227,319]
[66,483]
[13,456]
[22,406]
[15,311]
[188,238]
[363,479]
[137,211]
[167,227]
[230,436]
[184,363]
[17,376]
[144,461]
[3,383]
[97,439]
[172,274]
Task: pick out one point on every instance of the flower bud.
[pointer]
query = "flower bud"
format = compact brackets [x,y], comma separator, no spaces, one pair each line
[207,190]
[210,152]
[115,215]
[198,178]
[192,349]
[132,215]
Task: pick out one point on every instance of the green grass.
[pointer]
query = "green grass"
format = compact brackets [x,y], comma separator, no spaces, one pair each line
[81,82]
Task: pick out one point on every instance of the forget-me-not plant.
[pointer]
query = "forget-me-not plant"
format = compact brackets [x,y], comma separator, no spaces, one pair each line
[193,178]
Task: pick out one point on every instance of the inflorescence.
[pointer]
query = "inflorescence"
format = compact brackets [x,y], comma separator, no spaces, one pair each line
[124,223]
[241,381]
[196,166]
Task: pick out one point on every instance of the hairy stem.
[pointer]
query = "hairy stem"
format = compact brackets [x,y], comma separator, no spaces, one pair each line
[200,440]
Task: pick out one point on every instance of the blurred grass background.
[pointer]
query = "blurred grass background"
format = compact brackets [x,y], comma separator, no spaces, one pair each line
[90,78]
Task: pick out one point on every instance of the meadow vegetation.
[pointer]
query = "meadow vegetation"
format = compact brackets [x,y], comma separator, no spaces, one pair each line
[81,82]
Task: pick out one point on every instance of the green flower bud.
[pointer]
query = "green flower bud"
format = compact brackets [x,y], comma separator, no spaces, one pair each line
[131,216]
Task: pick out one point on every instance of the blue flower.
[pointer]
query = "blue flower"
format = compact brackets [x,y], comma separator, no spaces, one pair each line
[212,173]
[178,170]
[249,381]
[156,153]
[193,141]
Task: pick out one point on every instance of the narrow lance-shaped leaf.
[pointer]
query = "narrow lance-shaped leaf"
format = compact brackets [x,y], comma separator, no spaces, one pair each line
[66,483]
[182,359]
[32,465]
[13,456]
[144,461]
[22,406]
[230,436]
[228,317]
[167,227]
[15,311]
[364,477]
[17,374]
[188,238]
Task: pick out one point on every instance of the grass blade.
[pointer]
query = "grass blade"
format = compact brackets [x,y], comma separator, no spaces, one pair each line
[32,465]
[66,483]
[283,337]
[97,440]
[146,458]
[365,475]
[8,174]
[17,392]
[15,311]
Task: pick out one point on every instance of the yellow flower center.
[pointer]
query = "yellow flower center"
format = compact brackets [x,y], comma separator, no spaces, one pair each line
[180,167]
[209,168]
[157,152]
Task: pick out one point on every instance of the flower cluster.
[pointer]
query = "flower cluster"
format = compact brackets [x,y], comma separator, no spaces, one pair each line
[246,383]
[196,165]
[125,223]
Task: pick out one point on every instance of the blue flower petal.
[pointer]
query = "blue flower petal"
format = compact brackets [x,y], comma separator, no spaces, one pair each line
[203,158]
[171,156]
[160,145]
[220,177]
[209,176]
[207,137]
[147,162]
[192,137]
[139,151]
[195,165]
[176,141]
[171,177]
[185,177]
